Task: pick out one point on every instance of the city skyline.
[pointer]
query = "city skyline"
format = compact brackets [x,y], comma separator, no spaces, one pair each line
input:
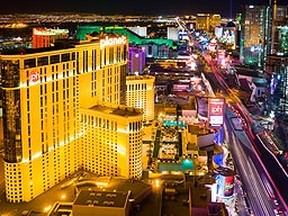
[135,108]
[131,7]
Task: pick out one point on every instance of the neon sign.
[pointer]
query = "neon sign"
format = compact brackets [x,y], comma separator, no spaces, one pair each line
[216,111]
[34,76]
[112,41]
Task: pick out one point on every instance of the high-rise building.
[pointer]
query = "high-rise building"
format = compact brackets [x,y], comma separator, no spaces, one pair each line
[140,94]
[173,33]
[139,30]
[215,20]
[279,25]
[112,141]
[282,48]
[277,71]
[50,97]
[207,22]
[136,60]
[255,35]
[43,37]
[203,22]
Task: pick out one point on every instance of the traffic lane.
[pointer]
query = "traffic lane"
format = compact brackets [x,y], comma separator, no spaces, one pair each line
[233,144]
[252,184]
[276,172]
[259,172]
[240,202]
[251,180]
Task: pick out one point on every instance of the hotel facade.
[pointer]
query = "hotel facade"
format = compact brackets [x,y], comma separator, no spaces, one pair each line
[140,93]
[55,120]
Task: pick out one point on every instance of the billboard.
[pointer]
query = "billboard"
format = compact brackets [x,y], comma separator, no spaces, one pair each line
[229,186]
[216,111]
[180,87]
[202,106]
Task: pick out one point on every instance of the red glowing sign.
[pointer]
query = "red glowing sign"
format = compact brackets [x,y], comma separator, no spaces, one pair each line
[229,186]
[34,76]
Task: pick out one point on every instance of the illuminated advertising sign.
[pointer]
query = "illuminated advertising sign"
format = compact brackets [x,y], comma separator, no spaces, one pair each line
[34,76]
[216,111]
[229,186]
[180,87]
[112,41]
[202,107]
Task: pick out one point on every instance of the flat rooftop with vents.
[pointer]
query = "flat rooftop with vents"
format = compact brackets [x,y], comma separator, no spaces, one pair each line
[101,203]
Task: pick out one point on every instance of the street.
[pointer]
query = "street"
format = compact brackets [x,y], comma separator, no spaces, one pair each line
[250,169]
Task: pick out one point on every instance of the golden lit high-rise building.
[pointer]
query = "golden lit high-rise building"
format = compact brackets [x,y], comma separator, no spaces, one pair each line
[47,93]
[140,94]
[215,20]
[112,142]
[203,22]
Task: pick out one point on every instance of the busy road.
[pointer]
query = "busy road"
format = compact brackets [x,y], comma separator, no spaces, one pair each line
[252,173]
[264,180]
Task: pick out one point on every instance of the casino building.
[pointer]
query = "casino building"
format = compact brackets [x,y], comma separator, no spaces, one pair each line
[140,93]
[44,37]
[64,109]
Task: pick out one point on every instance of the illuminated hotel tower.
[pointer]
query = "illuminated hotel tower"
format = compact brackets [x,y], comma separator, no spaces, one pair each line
[140,94]
[47,93]
[255,35]
[43,37]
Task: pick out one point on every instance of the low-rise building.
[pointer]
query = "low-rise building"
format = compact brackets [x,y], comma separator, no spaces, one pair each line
[101,203]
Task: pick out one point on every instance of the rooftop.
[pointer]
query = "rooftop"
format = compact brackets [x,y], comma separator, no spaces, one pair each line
[225,171]
[102,198]
[199,130]
[120,111]
[260,84]
[185,165]
[241,70]
[59,45]
[244,85]
[27,51]
[145,77]
[46,31]
[138,188]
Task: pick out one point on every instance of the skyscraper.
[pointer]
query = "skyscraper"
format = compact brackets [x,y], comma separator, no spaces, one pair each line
[43,37]
[279,25]
[52,98]
[255,35]
[140,94]
[136,60]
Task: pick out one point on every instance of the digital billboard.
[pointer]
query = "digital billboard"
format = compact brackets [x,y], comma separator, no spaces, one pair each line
[216,108]
[202,107]
[225,182]
[229,186]
[180,87]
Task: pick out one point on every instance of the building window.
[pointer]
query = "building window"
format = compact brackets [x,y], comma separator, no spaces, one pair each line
[54,59]
[30,63]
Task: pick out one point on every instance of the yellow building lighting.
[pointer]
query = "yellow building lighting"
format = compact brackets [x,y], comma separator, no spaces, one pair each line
[140,94]
[49,104]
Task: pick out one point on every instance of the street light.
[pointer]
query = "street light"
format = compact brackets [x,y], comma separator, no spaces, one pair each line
[157,183]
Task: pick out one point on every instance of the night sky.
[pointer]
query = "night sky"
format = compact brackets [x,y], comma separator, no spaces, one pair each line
[109,7]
